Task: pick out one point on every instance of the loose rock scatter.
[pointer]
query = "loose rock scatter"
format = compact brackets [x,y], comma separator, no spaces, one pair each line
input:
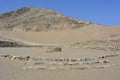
[41,63]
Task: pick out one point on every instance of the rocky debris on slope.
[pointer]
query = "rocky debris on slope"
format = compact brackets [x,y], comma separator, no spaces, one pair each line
[38,19]
[6,41]
[10,44]
[111,45]
[15,13]
[113,36]
[46,48]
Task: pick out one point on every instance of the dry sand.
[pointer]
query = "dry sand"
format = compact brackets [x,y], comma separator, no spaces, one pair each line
[12,70]
[66,37]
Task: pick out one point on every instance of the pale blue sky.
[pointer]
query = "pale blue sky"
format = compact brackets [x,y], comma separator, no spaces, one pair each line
[105,12]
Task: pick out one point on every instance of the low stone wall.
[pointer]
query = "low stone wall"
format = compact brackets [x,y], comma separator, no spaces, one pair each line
[42,63]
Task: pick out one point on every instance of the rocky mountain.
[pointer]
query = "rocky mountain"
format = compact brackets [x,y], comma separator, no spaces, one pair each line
[37,20]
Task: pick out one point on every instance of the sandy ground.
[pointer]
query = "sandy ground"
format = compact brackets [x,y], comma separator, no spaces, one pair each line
[12,70]
[65,37]
[66,52]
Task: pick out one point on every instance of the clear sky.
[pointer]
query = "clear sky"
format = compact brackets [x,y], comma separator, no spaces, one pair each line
[105,12]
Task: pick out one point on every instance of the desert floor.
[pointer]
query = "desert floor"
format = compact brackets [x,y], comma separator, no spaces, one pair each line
[12,69]
[18,70]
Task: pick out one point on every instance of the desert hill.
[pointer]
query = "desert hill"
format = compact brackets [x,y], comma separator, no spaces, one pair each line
[88,33]
[37,20]
[91,37]
[44,27]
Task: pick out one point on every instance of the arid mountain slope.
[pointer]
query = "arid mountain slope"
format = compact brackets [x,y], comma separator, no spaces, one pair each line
[37,20]
[88,33]
[37,26]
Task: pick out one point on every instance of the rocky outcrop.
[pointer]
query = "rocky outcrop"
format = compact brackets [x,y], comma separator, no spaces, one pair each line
[10,44]
[38,19]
